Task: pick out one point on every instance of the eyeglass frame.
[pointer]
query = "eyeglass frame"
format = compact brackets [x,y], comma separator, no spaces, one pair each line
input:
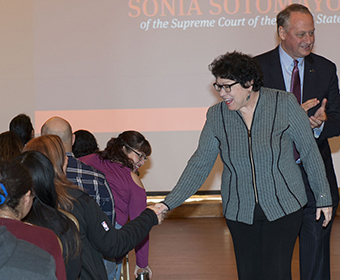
[145,158]
[227,88]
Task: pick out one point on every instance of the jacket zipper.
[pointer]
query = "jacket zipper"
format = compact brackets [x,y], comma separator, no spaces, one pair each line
[252,167]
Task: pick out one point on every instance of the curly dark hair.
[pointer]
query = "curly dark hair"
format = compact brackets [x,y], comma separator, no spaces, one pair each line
[238,67]
[128,139]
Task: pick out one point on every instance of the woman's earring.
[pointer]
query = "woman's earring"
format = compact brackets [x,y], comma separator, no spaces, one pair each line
[248,97]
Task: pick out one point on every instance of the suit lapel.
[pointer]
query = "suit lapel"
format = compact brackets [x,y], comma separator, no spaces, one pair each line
[276,70]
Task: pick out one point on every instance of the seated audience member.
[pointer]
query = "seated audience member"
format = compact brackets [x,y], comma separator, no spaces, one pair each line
[16,198]
[84,143]
[120,161]
[22,126]
[44,210]
[20,259]
[10,146]
[99,237]
[86,177]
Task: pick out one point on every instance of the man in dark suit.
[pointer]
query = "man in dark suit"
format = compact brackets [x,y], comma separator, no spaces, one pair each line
[321,101]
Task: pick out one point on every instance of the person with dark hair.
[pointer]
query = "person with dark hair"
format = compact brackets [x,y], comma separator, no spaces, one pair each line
[44,211]
[254,130]
[22,260]
[10,146]
[16,198]
[84,143]
[318,94]
[22,126]
[120,161]
[99,237]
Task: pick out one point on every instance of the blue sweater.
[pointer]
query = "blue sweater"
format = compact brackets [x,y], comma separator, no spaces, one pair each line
[259,164]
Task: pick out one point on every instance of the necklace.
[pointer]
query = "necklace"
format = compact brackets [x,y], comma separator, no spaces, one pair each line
[8,217]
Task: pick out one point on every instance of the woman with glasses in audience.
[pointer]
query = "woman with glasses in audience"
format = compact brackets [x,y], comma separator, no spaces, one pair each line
[99,237]
[120,161]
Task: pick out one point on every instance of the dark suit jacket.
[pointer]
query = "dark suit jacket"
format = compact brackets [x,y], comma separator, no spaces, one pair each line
[320,81]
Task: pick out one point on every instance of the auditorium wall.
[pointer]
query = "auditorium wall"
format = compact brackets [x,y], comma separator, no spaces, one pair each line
[114,65]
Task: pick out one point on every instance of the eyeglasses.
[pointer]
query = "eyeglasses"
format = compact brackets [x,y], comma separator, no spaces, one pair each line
[227,88]
[141,156]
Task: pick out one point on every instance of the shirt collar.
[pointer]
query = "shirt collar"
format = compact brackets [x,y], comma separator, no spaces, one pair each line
[287,61]
[69,154]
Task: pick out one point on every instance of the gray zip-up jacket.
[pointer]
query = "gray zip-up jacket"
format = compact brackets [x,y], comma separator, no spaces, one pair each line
[259,164]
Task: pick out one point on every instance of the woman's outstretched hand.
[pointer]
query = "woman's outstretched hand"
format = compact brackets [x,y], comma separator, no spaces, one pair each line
[158,209]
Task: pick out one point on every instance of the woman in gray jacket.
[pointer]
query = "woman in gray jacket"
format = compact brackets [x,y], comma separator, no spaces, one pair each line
[254,130]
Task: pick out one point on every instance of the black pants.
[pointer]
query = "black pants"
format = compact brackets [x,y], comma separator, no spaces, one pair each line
[264,249]
[314,240]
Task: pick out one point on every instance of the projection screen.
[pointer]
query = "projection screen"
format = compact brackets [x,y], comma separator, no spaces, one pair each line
[113,65]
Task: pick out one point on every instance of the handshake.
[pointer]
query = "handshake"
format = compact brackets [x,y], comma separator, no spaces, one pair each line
[160,209]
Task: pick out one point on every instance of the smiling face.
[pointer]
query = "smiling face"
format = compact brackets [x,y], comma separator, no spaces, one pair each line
[236,99]
[297,39]
[138,159]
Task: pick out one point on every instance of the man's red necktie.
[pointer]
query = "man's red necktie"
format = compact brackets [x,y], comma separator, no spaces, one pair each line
[295,87]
